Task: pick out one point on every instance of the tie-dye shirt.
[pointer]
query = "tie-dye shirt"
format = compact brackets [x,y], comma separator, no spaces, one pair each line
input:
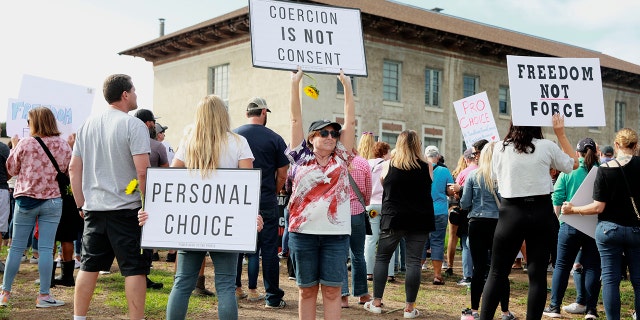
[319,202]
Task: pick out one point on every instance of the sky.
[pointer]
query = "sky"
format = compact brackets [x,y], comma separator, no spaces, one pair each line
[77,41]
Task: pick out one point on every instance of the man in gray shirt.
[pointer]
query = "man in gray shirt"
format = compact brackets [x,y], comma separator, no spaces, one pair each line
[111,149]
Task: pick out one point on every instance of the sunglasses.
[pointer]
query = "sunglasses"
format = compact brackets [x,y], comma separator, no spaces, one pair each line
[334,134]
[368,132]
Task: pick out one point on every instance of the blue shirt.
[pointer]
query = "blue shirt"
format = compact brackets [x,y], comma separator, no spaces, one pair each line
[441,176]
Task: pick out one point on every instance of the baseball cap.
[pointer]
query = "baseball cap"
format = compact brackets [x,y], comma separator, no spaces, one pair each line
[145,115]
[431,151]
[160,128]
[586,143]
[607,150]
[257,103]
[468,154]
[319,124]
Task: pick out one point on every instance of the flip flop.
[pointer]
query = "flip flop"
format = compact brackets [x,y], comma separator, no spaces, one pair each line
[438,281]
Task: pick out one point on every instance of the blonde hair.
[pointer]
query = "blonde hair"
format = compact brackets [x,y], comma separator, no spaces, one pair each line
[208,138]
[42,123]
[408,151]
[627,138]
[462,164]
[366,146]
[484,166]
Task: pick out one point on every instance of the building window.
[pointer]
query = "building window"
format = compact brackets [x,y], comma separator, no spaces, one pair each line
[391,81]
[390,138]
[340,87]
[620,114]
[469,86]
[219,80]
[433,136]
[503,100]
[432,87]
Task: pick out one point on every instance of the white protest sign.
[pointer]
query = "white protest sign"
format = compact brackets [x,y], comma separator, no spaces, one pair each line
[583,196]
[188,212]
[322,39]
[476,118]
[540,87]
[71,104]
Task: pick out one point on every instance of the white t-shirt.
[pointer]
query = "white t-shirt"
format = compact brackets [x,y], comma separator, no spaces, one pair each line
[170,152]
[237,149]
[527,174]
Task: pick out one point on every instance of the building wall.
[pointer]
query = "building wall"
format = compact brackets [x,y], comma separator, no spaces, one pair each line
[181,83]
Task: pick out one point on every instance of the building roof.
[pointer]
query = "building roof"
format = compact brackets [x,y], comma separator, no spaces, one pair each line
[385,18]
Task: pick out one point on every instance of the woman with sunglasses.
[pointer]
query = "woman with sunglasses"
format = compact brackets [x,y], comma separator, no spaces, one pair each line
[319,207]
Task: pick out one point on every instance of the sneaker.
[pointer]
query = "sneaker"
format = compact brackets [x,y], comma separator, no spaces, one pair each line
[575,308]
[550,268]
[425,267]
[240,294]
[509,316]
[280,305]
[24,258]
[591,314]
[467,314]
[4,299]
[292,278]
[47,302]
[2,267]
[154,285]
[77,264]
[103,272]
[411,314]
[371,308]
[255,296]
[464,282]
[552,312]
[283,255]
[634,316]
[33,260]
[445,265]
[448,272]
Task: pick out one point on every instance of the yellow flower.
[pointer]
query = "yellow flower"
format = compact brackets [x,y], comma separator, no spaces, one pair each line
[312,91]
[373,213]
[69,190]
[131,187]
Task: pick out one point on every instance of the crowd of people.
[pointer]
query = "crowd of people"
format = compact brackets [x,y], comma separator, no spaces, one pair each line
[349,209]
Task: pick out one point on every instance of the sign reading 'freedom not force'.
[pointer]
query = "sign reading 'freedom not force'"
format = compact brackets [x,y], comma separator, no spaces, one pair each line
[322,39]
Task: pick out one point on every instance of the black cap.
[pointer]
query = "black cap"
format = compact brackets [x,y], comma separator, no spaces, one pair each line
[160,128]
[145,115]
[607,151]
[319,124]
[586,143]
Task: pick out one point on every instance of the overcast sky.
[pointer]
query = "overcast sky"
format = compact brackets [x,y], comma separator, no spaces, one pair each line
[77,41]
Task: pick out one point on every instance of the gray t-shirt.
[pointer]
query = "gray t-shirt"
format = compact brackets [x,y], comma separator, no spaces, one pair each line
[107,143]
[158,155]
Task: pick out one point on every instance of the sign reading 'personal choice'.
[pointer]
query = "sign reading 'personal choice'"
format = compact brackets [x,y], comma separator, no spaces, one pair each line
[189,212]
[541,87]
[322,39]
[476,118]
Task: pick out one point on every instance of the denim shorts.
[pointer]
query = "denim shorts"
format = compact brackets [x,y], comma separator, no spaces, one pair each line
[318,259]
[436,237]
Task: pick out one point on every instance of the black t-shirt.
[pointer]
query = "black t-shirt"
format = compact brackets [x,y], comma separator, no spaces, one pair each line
[610,187]
[4,154]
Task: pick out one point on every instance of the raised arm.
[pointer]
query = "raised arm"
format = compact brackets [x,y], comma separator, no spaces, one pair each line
[348,134]
[297,133]
[558,128]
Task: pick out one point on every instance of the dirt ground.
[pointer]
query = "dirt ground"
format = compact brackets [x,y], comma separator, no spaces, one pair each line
[434,302]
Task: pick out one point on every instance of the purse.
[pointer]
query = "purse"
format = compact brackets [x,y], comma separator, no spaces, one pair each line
[367,223]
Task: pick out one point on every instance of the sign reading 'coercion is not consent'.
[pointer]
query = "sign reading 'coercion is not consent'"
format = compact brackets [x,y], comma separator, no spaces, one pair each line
[321,39]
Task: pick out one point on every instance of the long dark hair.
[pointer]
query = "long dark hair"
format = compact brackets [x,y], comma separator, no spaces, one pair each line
[522,138]
[590,158]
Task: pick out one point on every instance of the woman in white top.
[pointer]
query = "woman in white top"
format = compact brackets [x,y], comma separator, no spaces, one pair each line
[521,163]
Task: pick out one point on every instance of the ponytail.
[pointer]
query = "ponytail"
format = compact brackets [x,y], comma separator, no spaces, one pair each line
[590,158]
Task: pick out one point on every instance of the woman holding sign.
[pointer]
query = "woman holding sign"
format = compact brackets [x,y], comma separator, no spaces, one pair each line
[319,207]
[616,197]
[521,163]
[209,146]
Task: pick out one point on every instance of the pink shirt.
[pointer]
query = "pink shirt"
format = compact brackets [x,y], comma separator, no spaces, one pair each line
[361,174]
[35,174]
[376,184]
[462,176]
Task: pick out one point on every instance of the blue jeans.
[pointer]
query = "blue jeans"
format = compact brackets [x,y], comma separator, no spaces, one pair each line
[253,268]
[436,238]
[613,240]
[48,215]
[570,240]
[318,259]
[358,265]
[285,234]
[189,263]
[371,242]
[268,248]
[467,262]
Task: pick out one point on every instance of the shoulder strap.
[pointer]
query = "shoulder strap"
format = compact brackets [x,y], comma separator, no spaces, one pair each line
[633,202]
[356,190]
[375,165]
[46,150]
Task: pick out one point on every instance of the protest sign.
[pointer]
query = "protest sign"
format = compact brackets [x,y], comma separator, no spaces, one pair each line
[71,104]
[189,212]
[583,196]
[321,39]
[476,118]
[540,87]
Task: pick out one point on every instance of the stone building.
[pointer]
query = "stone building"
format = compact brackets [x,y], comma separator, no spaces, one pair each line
[419,62]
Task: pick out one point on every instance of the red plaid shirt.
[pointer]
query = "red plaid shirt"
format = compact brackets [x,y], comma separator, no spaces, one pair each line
[361,173]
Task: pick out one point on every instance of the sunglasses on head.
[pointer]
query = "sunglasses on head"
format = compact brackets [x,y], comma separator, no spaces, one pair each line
[325,133]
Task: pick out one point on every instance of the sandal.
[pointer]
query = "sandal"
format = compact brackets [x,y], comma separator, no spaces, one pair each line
[369,277]
[391,279]
[371,308]
[438,281]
